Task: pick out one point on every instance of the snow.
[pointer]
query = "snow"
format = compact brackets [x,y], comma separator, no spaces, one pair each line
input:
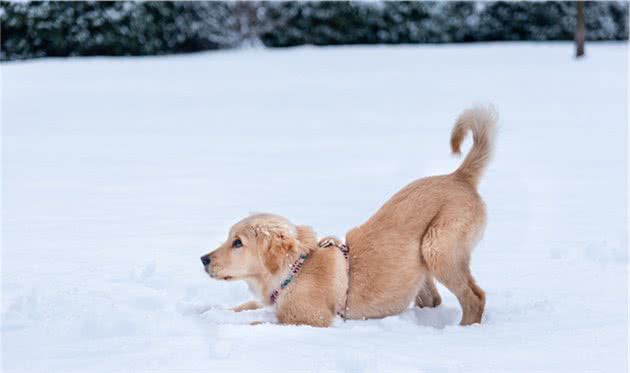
[119,173]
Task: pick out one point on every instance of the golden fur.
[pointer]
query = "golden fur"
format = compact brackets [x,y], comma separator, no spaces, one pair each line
[425,232]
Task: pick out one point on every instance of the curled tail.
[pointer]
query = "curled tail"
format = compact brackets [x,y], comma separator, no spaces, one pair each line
[482,122]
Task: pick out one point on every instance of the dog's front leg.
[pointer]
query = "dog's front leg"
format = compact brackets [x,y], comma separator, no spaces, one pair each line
[247,306]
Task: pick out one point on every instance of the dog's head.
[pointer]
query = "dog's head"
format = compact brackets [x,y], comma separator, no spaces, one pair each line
[258,245]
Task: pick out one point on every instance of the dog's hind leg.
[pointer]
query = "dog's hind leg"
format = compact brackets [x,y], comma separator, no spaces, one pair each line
[448,261]
[428,295]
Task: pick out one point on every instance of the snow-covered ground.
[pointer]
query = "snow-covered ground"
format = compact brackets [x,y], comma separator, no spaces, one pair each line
[118,173]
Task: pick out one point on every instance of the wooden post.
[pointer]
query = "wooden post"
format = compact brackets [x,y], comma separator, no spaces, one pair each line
[580,29]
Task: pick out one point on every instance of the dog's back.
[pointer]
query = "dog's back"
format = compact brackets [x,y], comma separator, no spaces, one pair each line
[426,229]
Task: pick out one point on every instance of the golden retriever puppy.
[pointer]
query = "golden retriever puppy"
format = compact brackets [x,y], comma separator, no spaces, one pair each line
[263,250]
[426,231]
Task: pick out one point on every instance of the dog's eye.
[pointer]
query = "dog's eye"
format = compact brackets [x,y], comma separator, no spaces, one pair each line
[237,243]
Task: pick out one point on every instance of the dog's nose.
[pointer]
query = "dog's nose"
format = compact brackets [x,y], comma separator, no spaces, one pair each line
[205,260]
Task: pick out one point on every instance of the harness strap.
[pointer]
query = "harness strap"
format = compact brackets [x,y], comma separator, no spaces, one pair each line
[345,250]
[295,268]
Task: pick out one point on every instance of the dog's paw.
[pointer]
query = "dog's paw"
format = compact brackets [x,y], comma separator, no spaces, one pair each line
[247,306]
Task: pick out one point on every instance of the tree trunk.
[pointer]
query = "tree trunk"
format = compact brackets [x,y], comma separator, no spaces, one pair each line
[580,30]
[247,17]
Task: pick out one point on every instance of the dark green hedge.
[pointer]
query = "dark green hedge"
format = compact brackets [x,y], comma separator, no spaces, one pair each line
[37,29]
[324,23]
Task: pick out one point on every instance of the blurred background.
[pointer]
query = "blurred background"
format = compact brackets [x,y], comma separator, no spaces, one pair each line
[40,29]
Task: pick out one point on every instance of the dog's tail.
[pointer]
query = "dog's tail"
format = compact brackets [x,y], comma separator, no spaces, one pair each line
[481,121]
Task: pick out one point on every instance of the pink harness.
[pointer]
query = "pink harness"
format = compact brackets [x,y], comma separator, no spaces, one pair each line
[295,268]
[345,250]
[299,263]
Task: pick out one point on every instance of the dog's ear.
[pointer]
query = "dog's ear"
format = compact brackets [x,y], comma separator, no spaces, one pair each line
[275,248]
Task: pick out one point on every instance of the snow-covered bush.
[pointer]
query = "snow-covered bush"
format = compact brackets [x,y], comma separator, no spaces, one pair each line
[35,29]
[327,22]
[115,28]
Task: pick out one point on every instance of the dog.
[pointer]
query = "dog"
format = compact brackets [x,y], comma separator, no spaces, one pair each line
[425,232]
